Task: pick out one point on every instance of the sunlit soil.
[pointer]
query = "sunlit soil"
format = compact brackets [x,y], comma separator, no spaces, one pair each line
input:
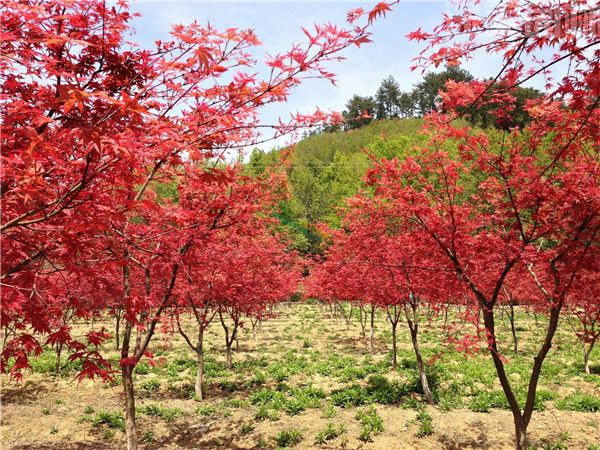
[308,380]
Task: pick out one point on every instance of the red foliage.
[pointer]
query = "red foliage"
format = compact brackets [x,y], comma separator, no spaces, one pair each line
[94,125]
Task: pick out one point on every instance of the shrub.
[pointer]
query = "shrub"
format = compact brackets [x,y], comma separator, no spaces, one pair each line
[264,413]
[148,437]
[150,385]
[266,396]
[329,412]
[380,390]
[228,386]
[486,400]
[206,410]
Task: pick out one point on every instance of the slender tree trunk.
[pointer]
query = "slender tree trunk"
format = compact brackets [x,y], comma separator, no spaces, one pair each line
[521,419]
[586,356]
[372,332]
[130,426]
[199,373]
[511,317]
[229,357]
[129,394]
[446,316]
[414,332]
[363,321]
[394,346]
[254,324]
[127,375]
[229,338]
[349,318]
[394,319]
[227,344]
[520,435]
[59,348]
[520,426]
[343,314]
[118,329]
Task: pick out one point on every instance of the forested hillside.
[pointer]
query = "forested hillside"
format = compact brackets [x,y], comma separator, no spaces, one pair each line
[326,168]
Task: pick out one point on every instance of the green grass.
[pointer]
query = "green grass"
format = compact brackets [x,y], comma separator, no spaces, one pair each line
[151,385]
[163,412]
[371,422]
[425,424]
[580,402]
[330,432]
[112,419]
[246,428]
[206,410]
[328,412]
[288,438]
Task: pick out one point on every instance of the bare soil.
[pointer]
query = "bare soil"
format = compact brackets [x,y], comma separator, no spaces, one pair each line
[46,412]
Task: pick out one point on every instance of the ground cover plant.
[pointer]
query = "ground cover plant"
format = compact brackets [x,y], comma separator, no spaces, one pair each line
[316,398]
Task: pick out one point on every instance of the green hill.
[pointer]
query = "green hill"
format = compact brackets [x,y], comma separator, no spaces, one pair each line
[326,168]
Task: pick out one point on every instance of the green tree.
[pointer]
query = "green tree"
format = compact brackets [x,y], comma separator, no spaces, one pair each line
[426,93]
[359,111]
[388,99]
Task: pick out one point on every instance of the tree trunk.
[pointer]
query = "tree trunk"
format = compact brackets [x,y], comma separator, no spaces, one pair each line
[59,348]
[520,436]
[446,316]
[394,319]
[586,356]
[118,329]
[200,362]
[513,330]
[414,331]
[363,321]
[586,362]
[372,332]
[229,358]
[127,375]
[518,420]
[130,428]
[254,324]
[199,373]
[394,346]
[343,314]
[349,318]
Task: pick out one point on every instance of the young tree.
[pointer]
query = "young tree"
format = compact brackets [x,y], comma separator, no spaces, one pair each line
[552,166]
[495,210]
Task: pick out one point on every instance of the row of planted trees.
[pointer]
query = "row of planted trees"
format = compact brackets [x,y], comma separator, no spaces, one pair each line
[116,195]
[481,219]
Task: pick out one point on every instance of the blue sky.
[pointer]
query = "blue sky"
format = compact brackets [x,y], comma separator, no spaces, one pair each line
[277,25]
